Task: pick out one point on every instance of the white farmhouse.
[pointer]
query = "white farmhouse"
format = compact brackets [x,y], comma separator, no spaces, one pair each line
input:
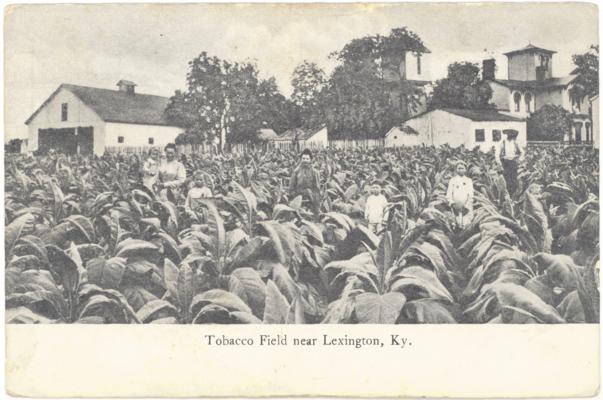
[302,138]
[85,120]
[530,84]
[456,127]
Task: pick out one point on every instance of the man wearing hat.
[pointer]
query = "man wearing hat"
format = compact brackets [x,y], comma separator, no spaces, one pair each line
[509,158]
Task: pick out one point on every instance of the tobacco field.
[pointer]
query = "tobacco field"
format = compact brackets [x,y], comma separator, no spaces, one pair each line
[85,243]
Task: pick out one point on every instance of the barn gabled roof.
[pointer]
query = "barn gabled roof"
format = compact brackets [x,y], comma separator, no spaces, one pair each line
[266,134]
[117,106]
[298,133]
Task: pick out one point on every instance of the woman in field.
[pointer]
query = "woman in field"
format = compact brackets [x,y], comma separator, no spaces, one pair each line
[172,174]
[305,182]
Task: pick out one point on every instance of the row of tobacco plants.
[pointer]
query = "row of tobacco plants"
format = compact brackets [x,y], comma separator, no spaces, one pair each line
[85,243]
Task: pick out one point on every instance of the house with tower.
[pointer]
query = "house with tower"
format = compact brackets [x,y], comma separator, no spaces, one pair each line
[530,84]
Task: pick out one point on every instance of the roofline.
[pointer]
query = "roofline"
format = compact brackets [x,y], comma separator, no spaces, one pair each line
[114,121]
[391,130]
[447,110]
[66,87]
[535,49]
[418,115]
[507,85]
[52,95]
[320,128]
[513,119]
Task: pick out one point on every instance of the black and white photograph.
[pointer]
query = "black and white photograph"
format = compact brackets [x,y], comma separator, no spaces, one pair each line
[300,165]
[302,199]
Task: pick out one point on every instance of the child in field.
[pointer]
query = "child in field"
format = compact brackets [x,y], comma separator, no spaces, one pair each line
[460,195]
[374,209]
[150,169]
[198,191]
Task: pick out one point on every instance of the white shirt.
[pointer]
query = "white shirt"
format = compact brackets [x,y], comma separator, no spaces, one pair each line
[510,149]
[460,191]
[196,193]
[150,172]
[172,174]
[373,211]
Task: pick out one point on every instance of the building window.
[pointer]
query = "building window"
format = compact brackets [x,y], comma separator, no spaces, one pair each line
[528,100]
[418,64]
[151,140]
[589,134]
[578,128]
[480,135]
[64,112]
[496,135]
[120,139]
[517,100]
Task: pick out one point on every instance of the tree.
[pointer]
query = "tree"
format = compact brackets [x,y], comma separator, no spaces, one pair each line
[550,122]
[367,93]
[279,113]
[586,83]
[358,103]
[462,88]
[308,83]
[225,101]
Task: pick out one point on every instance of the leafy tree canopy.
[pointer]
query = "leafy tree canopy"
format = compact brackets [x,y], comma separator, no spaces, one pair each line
[586,83]
[550,122]
[462,88]
[309,82]
[360,101]
[227,101]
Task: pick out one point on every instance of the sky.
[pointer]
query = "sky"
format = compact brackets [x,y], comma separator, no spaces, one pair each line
[151,44]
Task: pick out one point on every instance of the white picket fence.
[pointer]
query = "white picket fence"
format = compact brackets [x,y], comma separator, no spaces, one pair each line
[356,144]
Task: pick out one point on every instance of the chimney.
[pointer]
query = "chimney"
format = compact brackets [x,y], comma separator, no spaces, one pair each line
[126,86]
[489,69]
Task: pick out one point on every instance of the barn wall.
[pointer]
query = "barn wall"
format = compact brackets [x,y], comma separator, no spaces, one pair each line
[397,138]
[434,128]
[78,115]
[138,135]
[489,126]
[449,129]
[319,138]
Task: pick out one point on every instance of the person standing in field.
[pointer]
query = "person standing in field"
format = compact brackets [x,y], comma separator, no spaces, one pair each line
[460,195]
[150,169]
[197,192]
[374,210]
[305,182]
[509,155]
[172,174]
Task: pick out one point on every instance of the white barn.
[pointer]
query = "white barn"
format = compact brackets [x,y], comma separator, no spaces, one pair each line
[456,127]
[85,120]
[303,138]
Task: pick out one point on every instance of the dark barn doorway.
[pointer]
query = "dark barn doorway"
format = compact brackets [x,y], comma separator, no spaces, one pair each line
[78,140]
[85,140]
